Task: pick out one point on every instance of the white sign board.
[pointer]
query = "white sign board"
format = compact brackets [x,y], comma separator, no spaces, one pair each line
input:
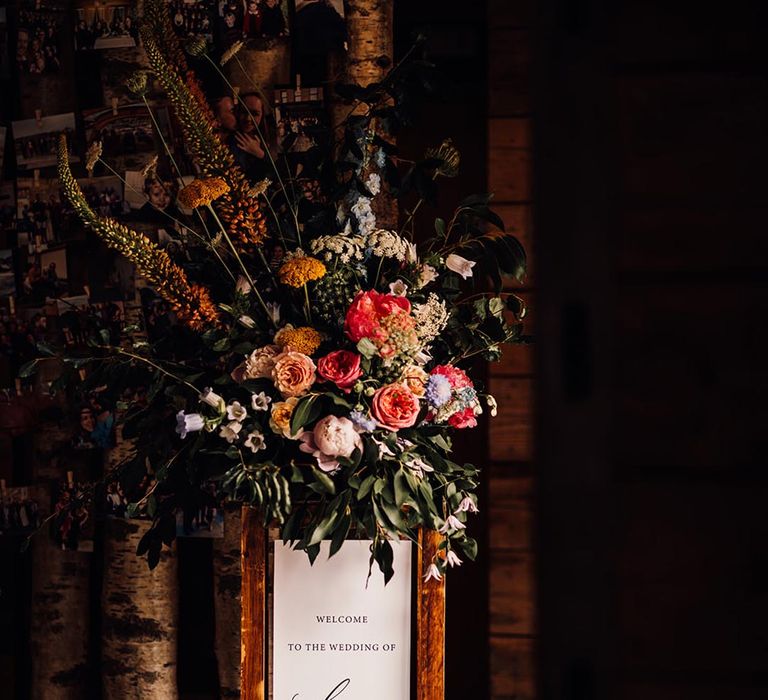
[335,638]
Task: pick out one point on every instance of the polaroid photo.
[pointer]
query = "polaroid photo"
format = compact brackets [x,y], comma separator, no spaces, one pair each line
[108,24]
[7,213]
[72,527]
[36,141]
[5,66]
[39,208]
[7,273]
[104,195]
[39,28]
[203,514]
[19,511]
[192,18]
[302,128]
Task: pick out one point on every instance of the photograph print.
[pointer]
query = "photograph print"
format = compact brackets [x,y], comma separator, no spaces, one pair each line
[252,21]
[39,208]
[36,142]
[108,24]
[40,27]
[193,18]
[7,273]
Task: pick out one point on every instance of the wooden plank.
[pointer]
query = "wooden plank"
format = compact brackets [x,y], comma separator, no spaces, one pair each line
[430,623]
[513,675]
[253,557]
[503,13]
[509,71]
[511,431]
[512,599]
[509,159]
[517,358]
[510,511]
[518,221]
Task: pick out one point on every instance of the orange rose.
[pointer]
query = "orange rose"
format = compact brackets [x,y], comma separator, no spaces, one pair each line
[395,406]
[415,378]
[293,373]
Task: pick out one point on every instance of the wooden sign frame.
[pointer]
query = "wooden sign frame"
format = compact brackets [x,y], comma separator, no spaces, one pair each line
[429,623]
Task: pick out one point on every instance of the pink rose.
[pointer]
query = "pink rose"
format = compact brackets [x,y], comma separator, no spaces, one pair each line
[395,406]
[293,373]
[463,419]
[341,367]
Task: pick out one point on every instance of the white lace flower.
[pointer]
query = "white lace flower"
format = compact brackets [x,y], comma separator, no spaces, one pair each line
[387,244]
[431,317]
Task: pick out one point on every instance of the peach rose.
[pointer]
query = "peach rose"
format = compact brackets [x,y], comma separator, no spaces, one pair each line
[415,378]
[280,420]
[260,363]
[395,406]
[293,373]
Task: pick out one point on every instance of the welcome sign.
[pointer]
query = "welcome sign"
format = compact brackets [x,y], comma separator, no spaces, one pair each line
[335,638]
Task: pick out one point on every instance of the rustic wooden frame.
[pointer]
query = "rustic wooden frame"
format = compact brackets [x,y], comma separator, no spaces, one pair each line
[429,618]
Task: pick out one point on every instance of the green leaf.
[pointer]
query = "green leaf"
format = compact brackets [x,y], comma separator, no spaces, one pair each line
[366,348]
[324,481]
[440,227]
[28,369]
[306,411]
[365,487]
[222,345]
[338,400]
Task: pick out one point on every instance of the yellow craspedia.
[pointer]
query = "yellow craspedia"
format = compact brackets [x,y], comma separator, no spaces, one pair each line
[304,339]
[202,191]
[301,269]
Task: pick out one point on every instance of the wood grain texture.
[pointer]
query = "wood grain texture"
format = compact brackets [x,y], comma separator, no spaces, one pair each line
[226,601]
[253,620]
[511,510]
[513,668]
[509,71]
[512,593]
[430,623]
[511,432]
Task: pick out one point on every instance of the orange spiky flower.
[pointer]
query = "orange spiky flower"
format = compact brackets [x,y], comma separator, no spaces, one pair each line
[241,213]
[191,302]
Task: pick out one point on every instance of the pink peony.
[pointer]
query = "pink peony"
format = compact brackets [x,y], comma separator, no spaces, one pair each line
[341,367]
[332,437]
[457,377]
[395,406]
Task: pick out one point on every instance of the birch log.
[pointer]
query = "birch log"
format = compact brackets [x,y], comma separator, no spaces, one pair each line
[226,599]
[140,617]
[60,616]
[369,58]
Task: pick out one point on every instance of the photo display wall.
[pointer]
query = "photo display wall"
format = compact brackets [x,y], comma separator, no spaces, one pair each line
[65,69]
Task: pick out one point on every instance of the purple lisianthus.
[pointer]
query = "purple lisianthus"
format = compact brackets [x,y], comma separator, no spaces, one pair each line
[438,391]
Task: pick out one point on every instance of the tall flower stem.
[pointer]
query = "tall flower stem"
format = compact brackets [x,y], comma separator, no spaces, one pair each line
[307,307]
[263,141]
[240,262]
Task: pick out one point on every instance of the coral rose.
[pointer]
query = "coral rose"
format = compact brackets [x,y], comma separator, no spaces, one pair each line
[293,373]
[395,406]
[366,311]
[342,367]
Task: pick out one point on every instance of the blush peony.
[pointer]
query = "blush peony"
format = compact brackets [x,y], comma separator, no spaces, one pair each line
[341,367]
[293,373]
[395,406]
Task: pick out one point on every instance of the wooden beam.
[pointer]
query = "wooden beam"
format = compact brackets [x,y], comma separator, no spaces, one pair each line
[430,623]
[253,621]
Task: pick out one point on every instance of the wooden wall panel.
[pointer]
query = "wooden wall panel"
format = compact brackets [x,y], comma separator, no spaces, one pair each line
[511,432]
[508,71]
[512,593]
[517,221]
[512,660]
[509,159]
[511,511]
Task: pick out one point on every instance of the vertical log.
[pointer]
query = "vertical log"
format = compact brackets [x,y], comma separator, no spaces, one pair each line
[226,600]
[253,665]
[369,58]
[59,635]
[430,623]
[140,615]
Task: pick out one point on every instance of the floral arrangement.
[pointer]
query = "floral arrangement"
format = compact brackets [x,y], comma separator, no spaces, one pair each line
[323,386]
